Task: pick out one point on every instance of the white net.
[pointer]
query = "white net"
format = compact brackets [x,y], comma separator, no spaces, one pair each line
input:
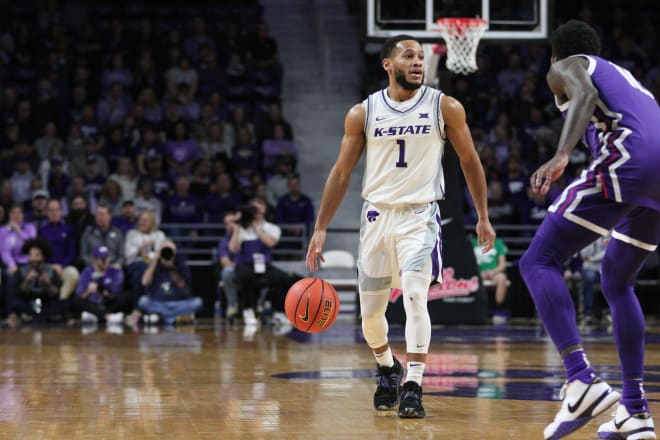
[462,37]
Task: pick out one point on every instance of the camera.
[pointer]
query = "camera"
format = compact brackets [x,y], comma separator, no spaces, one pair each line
[247,215]
[167,253]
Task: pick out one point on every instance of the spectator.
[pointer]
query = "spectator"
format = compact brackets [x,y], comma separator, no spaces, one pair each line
[48,141]
[181,150]
[188,107]
[167,126]
[167,285]
[103,233]
[127,217]
[200,180]
[266,130]
[21,179]
[93,178]
[111,195]
[492,266]
[90,149]
[79,217]
[278,184]
[6,196]
[245,157]
[149,146]
[155,173]
[295,208]
[89,127]
[192,46]
[216,143]
[100,295]
[153,114]
[251,241]
[226,260]
[115,107]
[12,237]
[116,73]
[37,290]
[277,148]
[184,72]
[125,177]
[36,214]
[57,179]
[183,207]
[141,247]
[63,242]
[221,200]
[500,210]
[146,201]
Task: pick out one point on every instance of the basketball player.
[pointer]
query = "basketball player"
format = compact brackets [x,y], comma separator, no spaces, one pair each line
[403,129]
[619,121]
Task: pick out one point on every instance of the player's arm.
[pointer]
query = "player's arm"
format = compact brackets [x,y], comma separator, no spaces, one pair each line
[352,146]
[569,80]
[459,135]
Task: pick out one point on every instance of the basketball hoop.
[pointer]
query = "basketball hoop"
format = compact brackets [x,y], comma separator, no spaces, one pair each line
[462,37]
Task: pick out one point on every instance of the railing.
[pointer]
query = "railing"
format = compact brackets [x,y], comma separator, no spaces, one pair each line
[201,249]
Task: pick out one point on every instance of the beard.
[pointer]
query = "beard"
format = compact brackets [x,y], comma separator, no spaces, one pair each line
[400,77]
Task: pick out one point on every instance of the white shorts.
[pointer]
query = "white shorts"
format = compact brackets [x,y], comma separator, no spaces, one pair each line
[395,240]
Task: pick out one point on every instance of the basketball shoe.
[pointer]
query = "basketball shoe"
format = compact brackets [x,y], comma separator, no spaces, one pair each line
[410,406]
[386,396]
[581,402]
[626,426]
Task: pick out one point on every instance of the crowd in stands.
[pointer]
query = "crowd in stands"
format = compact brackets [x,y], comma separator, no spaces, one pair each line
[115,121]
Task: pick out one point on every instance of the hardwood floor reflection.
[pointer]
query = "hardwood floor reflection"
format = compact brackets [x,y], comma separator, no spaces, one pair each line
[217,382]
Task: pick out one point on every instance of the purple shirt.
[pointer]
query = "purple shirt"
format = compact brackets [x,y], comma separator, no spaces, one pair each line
[123,224]
[63,240]
[244,158]
[217,205]
[251,244]
[294,211]
[183,151]
[183,209]
[273,149]
[112,280]
[11,242]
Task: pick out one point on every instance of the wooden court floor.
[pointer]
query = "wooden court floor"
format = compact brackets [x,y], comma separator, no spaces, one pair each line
[217,382]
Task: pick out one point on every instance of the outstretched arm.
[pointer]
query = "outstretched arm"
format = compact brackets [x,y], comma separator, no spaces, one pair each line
[453,114]
[569,81]
[352,145]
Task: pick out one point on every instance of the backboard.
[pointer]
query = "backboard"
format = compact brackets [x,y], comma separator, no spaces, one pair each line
[508,19]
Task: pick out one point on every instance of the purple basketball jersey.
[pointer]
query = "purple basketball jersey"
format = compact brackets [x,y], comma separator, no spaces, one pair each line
[623,136]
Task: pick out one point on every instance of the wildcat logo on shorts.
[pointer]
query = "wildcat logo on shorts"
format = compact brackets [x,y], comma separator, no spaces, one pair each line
[371,216]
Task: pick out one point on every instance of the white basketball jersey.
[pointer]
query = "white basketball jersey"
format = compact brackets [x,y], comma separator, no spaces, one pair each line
[404,143]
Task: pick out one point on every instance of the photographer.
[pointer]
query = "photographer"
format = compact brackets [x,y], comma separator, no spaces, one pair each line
[251,242]
[37,284]
[100,295]
[167,285]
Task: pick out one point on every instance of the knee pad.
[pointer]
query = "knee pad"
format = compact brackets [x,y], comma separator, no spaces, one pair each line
[374,325]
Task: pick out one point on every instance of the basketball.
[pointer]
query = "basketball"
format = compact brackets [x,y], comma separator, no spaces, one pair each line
[312,305]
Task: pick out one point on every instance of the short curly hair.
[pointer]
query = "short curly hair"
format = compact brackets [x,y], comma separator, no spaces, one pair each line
[574,37]
[390,44]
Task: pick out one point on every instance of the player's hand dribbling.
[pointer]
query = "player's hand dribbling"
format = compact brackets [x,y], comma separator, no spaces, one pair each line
[548,173]
[485,235]
[315,249]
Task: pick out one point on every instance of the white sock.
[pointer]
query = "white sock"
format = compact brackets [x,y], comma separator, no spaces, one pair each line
[385,358]
[415,372]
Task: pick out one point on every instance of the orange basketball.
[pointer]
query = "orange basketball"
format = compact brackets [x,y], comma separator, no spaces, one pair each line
[312,305]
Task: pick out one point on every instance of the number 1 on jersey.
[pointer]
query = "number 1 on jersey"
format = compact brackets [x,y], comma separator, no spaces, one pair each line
[402,154]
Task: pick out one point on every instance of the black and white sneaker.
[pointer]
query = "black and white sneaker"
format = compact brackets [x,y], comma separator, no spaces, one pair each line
[410,406]
[388,379]
[626,426]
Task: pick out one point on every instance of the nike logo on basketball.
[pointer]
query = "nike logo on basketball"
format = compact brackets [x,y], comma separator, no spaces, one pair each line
[573,408]
[305,317]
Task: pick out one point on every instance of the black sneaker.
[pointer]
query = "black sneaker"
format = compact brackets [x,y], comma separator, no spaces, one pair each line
[410,406]
[388,379]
